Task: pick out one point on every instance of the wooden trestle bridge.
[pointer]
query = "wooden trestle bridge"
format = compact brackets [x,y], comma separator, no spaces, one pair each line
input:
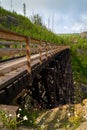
[41,68]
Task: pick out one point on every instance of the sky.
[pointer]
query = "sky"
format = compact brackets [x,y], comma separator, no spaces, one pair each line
[64,16]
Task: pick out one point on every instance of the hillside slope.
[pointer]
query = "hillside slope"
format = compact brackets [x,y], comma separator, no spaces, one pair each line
[20,24]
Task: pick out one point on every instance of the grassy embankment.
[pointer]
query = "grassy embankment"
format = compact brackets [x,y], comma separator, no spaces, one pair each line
[23,25]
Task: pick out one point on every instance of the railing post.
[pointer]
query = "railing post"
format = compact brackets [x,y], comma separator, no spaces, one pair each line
[46,50]
[40,52]
[53,49]
[28,55]
[50,50]
[21,48]
[21,45]
[11,46]
[57,48]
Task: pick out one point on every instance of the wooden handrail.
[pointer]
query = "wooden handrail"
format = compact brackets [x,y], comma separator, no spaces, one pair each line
[7,35]
[11,51]
[10,39]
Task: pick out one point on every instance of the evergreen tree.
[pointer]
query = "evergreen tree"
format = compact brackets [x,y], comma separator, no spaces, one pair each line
[24,9]
[37,19]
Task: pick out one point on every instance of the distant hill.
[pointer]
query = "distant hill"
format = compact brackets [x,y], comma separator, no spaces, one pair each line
[68,34]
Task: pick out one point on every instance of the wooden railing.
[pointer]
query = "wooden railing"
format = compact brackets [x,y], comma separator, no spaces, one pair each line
[14,45]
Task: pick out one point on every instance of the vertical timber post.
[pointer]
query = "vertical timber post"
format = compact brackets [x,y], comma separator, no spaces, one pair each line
[46,50]
[44,74]
[49,48]
[51,53]
[21,46]
[28,54]
[11,46]
[40,52]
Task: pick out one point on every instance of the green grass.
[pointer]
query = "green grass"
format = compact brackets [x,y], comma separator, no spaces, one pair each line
[78,56]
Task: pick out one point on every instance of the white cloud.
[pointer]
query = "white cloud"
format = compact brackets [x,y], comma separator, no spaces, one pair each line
[83,18]
[66,28]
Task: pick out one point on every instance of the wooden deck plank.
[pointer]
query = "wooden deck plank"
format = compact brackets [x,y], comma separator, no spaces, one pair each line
[12,65]
[11,69]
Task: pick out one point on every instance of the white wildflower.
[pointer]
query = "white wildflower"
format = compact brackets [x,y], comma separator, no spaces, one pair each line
[10,115]
[74,82]
[43,118]
[58,120]
[68,126]
[6,115]
[68,114]
[20,109]
[25,118]
[25,106]
[75,114]
[18,115]
[30,121]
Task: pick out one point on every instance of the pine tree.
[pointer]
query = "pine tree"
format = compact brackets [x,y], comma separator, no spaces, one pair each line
[24,9]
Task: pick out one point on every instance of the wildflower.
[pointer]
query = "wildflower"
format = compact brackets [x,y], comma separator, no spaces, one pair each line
[20,109]
[74,82]
[68,126]
[6,115]
[58,120]
[10,115]
[25,106]
[43,118]
[25,118]
[18,115]
[75,114]
[68,114]
[30,121]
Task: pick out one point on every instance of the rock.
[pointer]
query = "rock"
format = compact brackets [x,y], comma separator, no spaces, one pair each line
[78,108]
[25,128]
[9,109]
[85,102]
[83,126]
